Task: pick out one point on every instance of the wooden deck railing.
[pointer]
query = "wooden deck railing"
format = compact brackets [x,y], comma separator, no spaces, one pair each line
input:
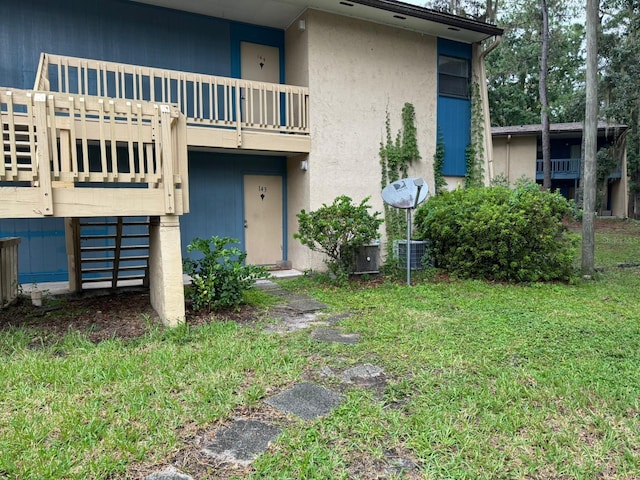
[8,270]
[561,168]
[205,100]
[64,153]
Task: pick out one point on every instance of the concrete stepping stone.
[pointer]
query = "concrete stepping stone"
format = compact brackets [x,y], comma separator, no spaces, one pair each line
[306,400]
[330,335]
[366,375]
[299,302]
[292,323]
[168,474]
[305,304]
[241,442]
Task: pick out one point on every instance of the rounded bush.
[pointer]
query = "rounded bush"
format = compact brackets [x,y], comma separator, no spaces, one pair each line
[499,234]
[336,230]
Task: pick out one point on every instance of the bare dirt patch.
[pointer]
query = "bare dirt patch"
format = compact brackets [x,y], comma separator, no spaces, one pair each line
[102,315]
[610,225]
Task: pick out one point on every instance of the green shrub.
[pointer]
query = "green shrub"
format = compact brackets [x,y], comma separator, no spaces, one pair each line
[337,230]
[219,276]
[499,234]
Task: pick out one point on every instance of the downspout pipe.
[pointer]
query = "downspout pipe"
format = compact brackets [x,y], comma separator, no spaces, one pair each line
[488,140]
[508,166]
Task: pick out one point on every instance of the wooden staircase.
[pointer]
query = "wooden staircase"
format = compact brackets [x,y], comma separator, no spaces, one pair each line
[113,250]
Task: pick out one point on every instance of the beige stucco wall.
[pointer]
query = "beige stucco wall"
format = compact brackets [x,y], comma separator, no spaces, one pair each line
[514,157]
[356,71]
[620,191]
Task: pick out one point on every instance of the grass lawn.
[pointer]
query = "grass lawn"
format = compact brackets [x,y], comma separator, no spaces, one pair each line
[484,381]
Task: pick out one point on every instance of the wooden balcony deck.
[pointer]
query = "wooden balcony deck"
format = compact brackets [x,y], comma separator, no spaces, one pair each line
[568,169]
[68,155]
[561,168]
[220,112]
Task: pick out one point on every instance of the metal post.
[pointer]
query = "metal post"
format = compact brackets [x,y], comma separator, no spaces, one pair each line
[408,246]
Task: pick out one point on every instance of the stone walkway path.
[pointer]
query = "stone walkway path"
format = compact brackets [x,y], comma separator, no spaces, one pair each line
[242,440]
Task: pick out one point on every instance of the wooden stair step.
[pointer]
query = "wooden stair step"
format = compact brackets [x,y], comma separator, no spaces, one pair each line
[110,279]
[114,224]
[130,258]
[110,269]
[113,236]
[111,248]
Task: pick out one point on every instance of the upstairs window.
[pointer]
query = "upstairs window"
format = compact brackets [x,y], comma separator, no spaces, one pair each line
[453,76]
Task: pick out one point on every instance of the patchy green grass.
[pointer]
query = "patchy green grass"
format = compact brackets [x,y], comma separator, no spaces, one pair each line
[496,381]
[484,381]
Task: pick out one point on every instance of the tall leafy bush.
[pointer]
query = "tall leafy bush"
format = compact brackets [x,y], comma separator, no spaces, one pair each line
[219,277]
[499,234]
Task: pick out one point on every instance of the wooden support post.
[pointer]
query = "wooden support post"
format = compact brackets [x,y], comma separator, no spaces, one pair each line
[238,93]
[53,140]
[12,140]
[183,161]
[44,157]
[166,289]
[65,150]
[167,160]
[74,261]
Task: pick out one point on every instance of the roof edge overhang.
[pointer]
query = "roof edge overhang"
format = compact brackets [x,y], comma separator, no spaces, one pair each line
[554,129]
[423,13]
[281,14]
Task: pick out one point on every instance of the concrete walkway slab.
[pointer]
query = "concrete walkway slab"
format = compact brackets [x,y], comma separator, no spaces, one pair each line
[292,321]
[365,375]
[242,442]
[306,305]
[306,400]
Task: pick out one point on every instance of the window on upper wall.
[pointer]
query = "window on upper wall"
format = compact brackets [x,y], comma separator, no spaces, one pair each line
[453,76]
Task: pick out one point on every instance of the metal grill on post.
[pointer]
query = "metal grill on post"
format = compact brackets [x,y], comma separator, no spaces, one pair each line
[407,194]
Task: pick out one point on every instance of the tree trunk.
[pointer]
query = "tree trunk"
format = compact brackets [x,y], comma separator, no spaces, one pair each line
[544,100]
[590,140]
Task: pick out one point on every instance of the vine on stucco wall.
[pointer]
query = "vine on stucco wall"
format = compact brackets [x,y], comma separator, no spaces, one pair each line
[439,183]
[474,153]
[395,158]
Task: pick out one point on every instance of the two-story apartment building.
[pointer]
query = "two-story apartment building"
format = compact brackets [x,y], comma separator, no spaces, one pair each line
[517,153]
[212,118]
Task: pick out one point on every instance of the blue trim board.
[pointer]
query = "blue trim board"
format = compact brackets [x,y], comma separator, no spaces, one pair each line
[454,117]
[454,49]
[454,124]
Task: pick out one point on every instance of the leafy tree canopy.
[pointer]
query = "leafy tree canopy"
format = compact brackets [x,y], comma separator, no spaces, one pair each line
[513,68]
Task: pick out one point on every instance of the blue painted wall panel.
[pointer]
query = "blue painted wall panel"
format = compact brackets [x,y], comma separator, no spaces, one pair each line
[454,117]
[42,255]
[454,124]
[216,193]
[121,31]
[115,30]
